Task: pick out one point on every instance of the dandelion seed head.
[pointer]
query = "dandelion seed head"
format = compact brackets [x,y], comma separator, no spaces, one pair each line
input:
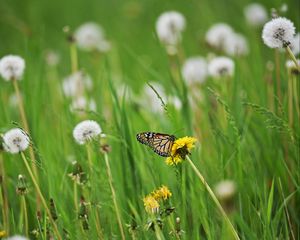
[169,27]
[217,35]
[236,45]
[278,32]
[17,237]
[221,67]
[76,83]
[15,141]
[256,14]
[52,58]
[194,70]
[225,189]
[83,104]
[90,36]
[295,44]
[86,131]
[12,67]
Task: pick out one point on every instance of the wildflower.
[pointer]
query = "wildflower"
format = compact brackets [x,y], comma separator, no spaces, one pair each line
[194,70]
[90,36]
[163,193]
[151,204]
[295,44]
[86,131]
[181,147]
[12,67]
[217,35]
[81,103]
[22,187]
[255,14]
[236,45]
[220,67]
[225,190]
[52,58]
[76,83]
[278,32]
[15,141]
[169,27]
[17,237]
[290,65]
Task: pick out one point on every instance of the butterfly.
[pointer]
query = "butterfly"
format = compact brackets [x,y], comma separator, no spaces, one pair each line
[159,142]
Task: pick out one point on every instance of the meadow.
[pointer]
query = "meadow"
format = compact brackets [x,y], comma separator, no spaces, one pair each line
[236,176]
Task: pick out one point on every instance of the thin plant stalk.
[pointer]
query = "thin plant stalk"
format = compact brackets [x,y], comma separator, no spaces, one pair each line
[277,69]
[292,56]
[214,198]
[89,156]
[113,195]
[74,58]
[3,196]
[296,97]
[290,99]
[38,190]
[26,127]
[24,207]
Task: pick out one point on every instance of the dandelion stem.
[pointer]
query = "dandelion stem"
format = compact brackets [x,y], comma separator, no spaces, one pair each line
[24,206]
[38,190]
[75,196]
[3,196]
[277,68]
[89,156]
[113,194]
[211,193]
[292,56]
[26,127]
[74,59]
[290,98]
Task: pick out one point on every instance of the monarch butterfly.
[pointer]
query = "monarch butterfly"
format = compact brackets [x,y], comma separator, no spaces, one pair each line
[159,142]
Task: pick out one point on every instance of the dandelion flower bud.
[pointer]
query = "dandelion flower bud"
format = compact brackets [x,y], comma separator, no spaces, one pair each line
[194,70]
[255,14]
[236,45]
[15,141]
[12,67]
[217,35]
[86,131]
[225,190]
[169,27]
[90,36]
[221,67]
[278,32]
[17,237]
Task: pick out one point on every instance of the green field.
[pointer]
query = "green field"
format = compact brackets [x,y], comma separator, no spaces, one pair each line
[247,125]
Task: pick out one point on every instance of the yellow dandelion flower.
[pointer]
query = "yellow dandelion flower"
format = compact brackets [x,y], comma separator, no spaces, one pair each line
[163,193]
[181,147]
[150,204]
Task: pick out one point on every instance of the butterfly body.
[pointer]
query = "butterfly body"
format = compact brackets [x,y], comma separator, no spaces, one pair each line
[159,142]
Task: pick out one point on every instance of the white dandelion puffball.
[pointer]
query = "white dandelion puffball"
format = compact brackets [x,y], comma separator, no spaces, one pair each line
[194,70]
[225,189]
[278,32]
[295,44]
[150,99]
[217,35]
[169,27]
[221,67]
[86,131]
[83,104]
[76,83]
[256,14]
[90,36]
[236,45]
[17,237]
[52,58]
[12,67]
[15,141]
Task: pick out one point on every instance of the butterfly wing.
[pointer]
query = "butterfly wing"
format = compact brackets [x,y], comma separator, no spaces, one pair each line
[159,142]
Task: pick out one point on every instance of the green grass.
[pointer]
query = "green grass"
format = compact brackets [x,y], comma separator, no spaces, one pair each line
[253,145]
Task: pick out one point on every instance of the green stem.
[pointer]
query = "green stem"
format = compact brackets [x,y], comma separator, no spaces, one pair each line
[214,198]
[74,59]
[3,196]
[292,56]
[89,156]
[113,195]
[25,215]
[38,190]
